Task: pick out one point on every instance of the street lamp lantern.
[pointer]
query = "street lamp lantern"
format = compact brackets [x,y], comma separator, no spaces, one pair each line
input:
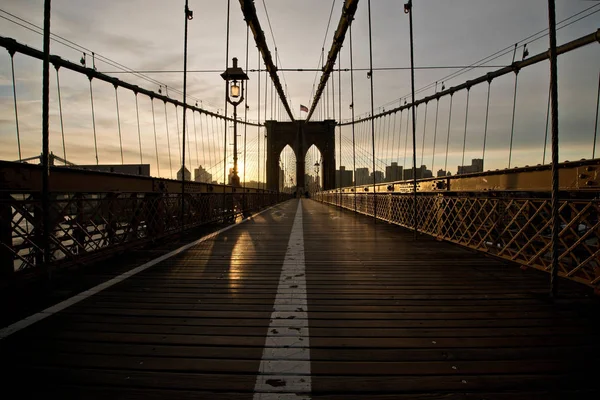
[235,90]
[235,77]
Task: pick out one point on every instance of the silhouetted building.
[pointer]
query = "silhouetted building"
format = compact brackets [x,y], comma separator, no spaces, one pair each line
[393,172]
[422,172]
[441,173]
[476,166]
[202,175]
[343,178]
[379,177]
[186,173]
[362,176]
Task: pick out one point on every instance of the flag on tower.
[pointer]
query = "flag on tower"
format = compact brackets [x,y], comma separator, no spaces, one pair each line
[303,108]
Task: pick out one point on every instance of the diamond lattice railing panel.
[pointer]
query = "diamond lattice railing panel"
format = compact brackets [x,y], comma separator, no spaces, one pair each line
[516,229]
[84,225]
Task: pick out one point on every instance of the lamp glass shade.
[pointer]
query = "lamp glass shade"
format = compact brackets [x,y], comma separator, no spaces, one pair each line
[235,89]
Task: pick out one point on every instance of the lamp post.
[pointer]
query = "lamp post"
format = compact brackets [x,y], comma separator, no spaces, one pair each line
[235,95]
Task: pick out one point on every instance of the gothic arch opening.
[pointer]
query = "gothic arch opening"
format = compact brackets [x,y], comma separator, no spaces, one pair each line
[287,170]
[313,163]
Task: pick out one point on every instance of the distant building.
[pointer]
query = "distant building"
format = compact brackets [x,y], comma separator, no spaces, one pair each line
[362,176]
[281,179]
[476,166]
[379,177]
[441,173]
[202,175]
[393,172]
[186,173]
[343,178]
[129,169]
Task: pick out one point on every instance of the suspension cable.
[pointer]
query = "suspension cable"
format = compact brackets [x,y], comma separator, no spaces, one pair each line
[372,111]
[155,139]
[258,129]
[408,118]
[137,112]
[512,127]
[547,124]
[178,136]
[424,132]
[596,124]
[246,107]
[487,113]
[93,119]
[340,118]
[352,109]
[12,64]
[448,138]
[226,90]
[168,140]
[118,120]
[62,127]
[195,140]
[466,124]
[437,109]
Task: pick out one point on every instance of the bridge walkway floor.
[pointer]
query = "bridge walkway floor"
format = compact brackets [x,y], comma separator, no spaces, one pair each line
[325,304]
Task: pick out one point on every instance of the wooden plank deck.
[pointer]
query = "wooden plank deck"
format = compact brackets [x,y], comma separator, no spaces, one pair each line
[388,318]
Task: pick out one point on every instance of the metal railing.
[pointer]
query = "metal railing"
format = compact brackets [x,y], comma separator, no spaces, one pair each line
[93,214]
[511,224]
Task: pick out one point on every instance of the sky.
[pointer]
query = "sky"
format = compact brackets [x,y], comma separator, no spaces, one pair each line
[148,35]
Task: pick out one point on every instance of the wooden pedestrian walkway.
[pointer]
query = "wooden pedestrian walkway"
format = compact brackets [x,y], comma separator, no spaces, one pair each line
[309,301]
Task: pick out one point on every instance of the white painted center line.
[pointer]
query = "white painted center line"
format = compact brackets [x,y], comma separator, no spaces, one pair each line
[32,319]
[284,371]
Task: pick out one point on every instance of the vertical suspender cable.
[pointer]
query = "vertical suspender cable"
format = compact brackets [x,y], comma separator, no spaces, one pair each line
[448,138]
[406,139]
[547,125]
[195,141]
[466,124]
[62,127]
[487,113]
[12,64]
[555,193]
[137,113]
[340,116]
[408,8]
[263,136]
[246,108]
[202,143]
[424,132]
[333,114]
[46,139]
[226,89]
[118,120]
[93,118]
[596,125]
[437,109]
[178,136]
[512,126]
[372,112]
[168,140]
[188,16]
[400,140]
[155,139]
[352,110]
[258,128]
